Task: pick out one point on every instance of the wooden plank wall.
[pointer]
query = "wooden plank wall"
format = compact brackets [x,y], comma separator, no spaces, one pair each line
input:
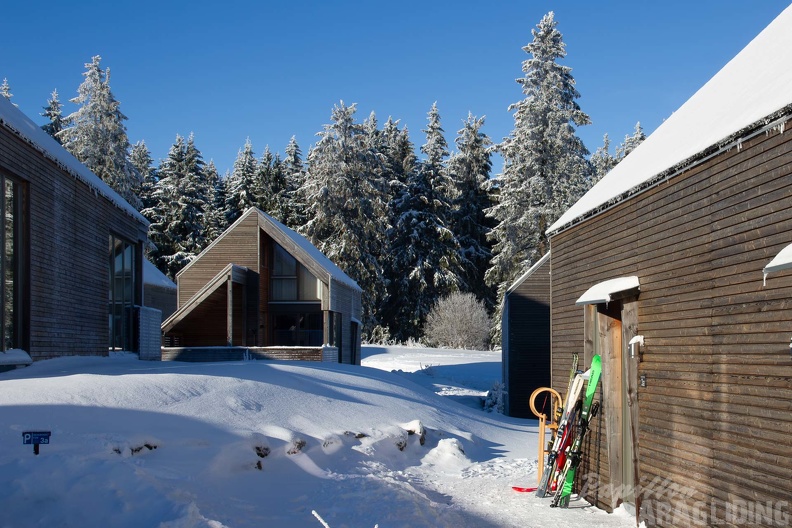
[715,415]
[237,245]
[69,229]
[528,335]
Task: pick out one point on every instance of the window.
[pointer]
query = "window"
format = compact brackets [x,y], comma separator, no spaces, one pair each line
[122,294]
[291,281]
[11,261]
[298,329]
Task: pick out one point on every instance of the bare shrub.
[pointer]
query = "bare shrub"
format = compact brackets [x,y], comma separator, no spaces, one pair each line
[458,320]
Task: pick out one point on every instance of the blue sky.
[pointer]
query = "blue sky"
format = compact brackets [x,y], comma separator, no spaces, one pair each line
[228,71]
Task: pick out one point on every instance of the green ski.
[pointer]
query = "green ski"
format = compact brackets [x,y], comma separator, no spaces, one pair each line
[588,411]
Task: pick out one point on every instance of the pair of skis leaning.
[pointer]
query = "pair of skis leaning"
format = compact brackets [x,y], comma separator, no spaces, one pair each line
[565,455]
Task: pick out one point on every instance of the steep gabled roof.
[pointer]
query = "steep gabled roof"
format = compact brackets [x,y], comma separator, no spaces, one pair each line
[17,122]
[749,93]
[298,246]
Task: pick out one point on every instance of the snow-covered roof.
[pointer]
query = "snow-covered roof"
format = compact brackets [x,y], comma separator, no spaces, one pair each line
[603,292]
[15,120]
[154,277]
[528,273]
[753,89]
[782,261]
[333,271]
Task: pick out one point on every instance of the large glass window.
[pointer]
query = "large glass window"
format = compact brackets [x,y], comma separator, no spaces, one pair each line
[121,298]
[11,269]
[298,329]
[291,281]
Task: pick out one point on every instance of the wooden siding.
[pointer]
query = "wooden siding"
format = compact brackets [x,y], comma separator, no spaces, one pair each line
[203,354]
[237,245]
[68,238]
[715,413]
[163,299]
[527,347]
[347,302]
[248,243]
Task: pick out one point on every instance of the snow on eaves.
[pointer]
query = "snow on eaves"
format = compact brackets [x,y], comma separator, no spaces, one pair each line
[751,92]
[154,277]
[17,122]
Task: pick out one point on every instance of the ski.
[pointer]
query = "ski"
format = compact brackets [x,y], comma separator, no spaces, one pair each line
[523,490]
[587,411]
[563,437]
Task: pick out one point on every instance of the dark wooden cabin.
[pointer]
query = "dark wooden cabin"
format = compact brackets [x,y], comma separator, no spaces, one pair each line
[72,251]
[659,270]
[525,327]
[261,284]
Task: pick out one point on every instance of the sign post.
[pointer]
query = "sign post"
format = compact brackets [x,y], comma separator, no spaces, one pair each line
[36,438]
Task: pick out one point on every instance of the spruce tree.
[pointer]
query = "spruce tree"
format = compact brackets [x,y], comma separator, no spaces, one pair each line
[54,113]
[241,186]
[630,142]
[425,257]
[271,187]
[5,90]
[97,136]
[469,169]
[140,157]
[545,166]
[602,162]
[347,214]
[215,207]
[294,175]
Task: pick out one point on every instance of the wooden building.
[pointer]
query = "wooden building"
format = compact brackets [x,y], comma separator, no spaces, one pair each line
[159,292]
[525,327]
[72,250]
[260,284]
[659,270]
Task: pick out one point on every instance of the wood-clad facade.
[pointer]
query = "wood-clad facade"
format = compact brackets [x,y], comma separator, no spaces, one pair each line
[706,400]
[261,284]
[525,325]
[703,407]
[68,241]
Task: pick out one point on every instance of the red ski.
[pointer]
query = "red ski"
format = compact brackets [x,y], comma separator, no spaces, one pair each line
[524,490]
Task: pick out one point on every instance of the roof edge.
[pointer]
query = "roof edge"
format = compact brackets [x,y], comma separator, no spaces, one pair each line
[773,121]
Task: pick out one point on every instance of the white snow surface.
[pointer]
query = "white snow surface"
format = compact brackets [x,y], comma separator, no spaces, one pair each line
[154,277]
[15,120]
[139,444]
[752,86]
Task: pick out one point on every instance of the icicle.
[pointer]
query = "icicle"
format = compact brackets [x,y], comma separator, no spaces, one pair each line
[780,128]
[739,146]
[764,279]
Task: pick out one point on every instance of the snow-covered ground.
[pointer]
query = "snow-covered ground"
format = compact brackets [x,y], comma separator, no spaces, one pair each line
[268,443]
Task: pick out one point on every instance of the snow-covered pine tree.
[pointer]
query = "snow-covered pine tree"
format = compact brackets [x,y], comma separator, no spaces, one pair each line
[425,257]
[294,173]
[399,163]
[140,157]
[347,214]
[214,210]
[241,185]
[602,162]
[630,142]
[5,90]
[545,167]
[54,113]
[270,190]
[177,217]
[97,136]
[469,170]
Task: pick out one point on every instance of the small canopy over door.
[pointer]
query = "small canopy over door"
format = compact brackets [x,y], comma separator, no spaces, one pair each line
[605,292]
[782,261]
